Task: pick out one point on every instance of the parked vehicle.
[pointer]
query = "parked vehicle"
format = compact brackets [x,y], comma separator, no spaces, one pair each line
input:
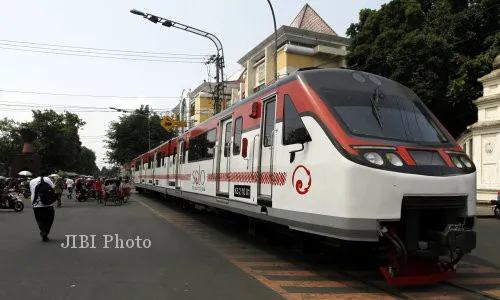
[495,206]
[9,199]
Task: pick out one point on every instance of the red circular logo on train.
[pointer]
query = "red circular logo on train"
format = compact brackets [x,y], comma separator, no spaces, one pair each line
[301,174]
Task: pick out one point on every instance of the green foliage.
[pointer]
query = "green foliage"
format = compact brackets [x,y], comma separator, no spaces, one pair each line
[87,163]
[10,143]
[128,137]
[438,48]
[114,172]
[56,140]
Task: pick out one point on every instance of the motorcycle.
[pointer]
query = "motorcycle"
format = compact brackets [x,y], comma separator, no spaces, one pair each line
[82,195]
[495,206]
[10,200]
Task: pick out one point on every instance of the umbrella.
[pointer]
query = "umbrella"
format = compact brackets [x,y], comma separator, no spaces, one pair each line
[25,173]
[53,175]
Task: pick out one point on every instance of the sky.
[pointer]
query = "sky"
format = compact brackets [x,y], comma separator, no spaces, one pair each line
[239,24]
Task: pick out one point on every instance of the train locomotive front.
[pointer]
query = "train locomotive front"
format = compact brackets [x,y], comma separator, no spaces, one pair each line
[400,168]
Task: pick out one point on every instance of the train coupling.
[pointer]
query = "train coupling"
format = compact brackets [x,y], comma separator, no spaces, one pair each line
[425,266]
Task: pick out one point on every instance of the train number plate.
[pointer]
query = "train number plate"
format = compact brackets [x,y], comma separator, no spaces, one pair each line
[242,191]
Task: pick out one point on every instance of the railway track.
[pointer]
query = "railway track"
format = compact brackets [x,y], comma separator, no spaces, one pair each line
[297,276]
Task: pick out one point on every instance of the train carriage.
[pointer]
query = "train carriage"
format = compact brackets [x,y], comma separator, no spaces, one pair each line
[338,153]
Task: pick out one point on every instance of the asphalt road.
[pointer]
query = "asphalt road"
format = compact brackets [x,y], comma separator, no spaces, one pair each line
[189,258]
[488,243]
[176,266]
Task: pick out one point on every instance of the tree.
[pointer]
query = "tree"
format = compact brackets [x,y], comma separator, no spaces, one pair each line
[110,173]
[10,143]
[57,142]
[128,137]
[438,48]
[87,163]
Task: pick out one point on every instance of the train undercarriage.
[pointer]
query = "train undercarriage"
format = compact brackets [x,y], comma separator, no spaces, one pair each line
[428,242]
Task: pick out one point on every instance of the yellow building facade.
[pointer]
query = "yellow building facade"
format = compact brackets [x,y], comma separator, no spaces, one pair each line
[308,42]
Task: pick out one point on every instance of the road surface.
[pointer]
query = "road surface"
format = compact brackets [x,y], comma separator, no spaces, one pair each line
[196,256]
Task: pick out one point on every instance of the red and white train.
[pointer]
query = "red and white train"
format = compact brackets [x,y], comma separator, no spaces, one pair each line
[337,153]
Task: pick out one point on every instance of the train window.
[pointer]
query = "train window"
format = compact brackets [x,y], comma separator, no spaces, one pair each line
[238,129]
[158,159]
[201,147]
[227,140]
[183,151]
[136,166]
[294,130]
[269,123]
[150,162]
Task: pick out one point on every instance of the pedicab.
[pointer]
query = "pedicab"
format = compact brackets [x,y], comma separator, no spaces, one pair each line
[125,191]
[111,191]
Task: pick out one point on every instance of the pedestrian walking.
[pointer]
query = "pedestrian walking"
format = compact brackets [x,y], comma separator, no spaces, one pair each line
[98,190]
[59,187]
[70,184]
[42,199]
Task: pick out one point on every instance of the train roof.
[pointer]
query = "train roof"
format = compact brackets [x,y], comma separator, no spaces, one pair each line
[341,72]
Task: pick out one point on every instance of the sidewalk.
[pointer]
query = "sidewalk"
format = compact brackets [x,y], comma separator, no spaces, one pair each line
[484,211]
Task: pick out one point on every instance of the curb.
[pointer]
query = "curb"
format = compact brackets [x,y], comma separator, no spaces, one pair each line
[485,216]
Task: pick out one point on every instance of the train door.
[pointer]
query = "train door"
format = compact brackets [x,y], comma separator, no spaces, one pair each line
[173,163]
[141,171]
[178,163]
[153,167]
[265,171]
[224,168]
[168,153]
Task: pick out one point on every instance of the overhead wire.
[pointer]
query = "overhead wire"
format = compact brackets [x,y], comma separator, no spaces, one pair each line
[88,95]
[103,49]
[101,53]
[102,56]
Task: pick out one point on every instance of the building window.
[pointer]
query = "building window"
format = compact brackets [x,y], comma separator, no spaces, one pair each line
[258,88]
[238,130]
[260,73]
[202,147]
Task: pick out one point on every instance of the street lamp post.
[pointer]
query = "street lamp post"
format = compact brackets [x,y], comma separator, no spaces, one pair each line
[147,116]
[219,59]
[275,43]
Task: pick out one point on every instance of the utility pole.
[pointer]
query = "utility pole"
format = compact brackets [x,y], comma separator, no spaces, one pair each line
[275,43]
[219,59]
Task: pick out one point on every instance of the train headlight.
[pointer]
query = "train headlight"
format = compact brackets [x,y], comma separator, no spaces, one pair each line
[394,159]
[466,161]
[374,158]
[456,161]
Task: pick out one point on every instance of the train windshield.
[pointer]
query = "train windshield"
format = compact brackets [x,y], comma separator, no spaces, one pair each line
[374,114]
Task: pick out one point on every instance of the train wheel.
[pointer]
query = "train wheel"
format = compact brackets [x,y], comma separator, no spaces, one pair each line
[496,211]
